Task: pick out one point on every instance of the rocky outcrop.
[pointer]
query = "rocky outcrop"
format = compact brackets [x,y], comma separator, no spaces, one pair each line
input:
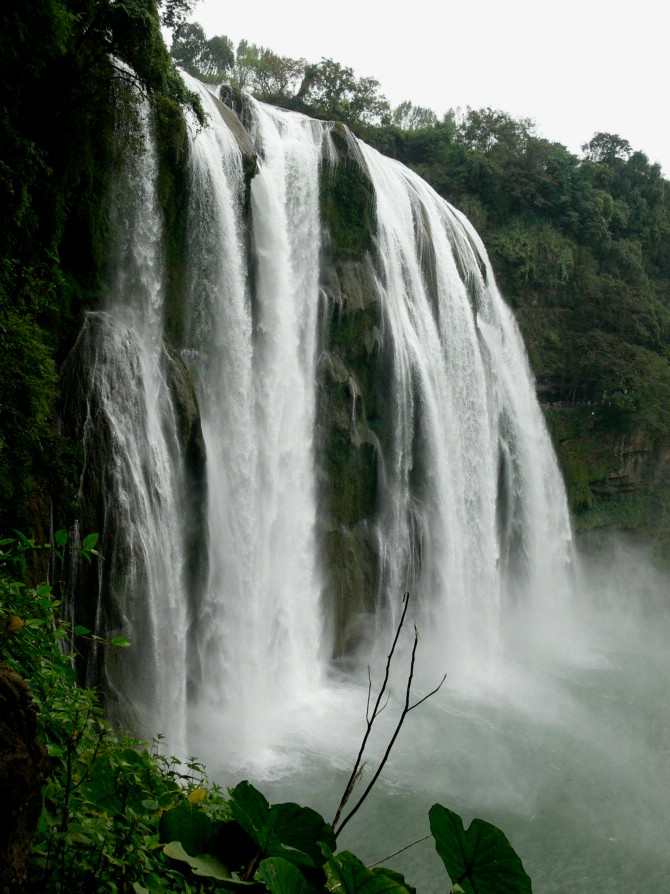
[231,105]
[193,451]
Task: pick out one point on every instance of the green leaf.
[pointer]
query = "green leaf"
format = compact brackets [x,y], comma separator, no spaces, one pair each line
[188,825]
[480,859]
[395,876]
[151,804]
[283,830]
[90,541]
[346,874]
[61,538]
[251,810]
[302,829]
[282,877]
[120,642]
[206,866]
[81,631]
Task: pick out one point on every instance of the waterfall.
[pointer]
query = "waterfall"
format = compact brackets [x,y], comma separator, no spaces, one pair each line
[252,352]
[116,385]
[214,398]
[469,513]
[471,474]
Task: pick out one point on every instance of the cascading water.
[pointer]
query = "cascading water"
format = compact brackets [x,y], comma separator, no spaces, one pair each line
[470,514]
[471,475]
[253,353]
[119,397]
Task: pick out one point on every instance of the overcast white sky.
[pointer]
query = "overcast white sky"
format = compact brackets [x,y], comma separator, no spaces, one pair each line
[575,66]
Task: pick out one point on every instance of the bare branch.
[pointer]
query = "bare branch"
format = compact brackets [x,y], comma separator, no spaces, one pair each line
[370,719]
[377,710]
[395,853]
[432,692]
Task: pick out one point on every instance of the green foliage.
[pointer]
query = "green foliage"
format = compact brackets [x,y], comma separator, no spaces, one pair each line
[102,802]
[202,58]
[407,116]
[173,13]
[480,859]
[345,872]
[333,91]
[96,59]
[281,877]
[325,89]
[287,849]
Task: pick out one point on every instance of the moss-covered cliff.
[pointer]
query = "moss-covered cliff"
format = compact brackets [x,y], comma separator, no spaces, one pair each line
[70,70]
[349,396]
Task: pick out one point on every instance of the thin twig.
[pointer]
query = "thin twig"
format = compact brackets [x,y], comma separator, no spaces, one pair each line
[406,709]
[395,853]
[371,719]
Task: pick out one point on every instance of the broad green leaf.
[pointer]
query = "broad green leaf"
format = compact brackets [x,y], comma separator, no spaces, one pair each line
[480,859]
[301,828]
[189,826]
[80,630]
[206,866]
[90,541]
[151,804]
[283,830]
[282,877]
[395,876]
[346,874]
[61,538]
[251,810]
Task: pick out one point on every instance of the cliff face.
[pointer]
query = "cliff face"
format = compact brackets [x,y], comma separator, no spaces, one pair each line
[616,481]
[349,399]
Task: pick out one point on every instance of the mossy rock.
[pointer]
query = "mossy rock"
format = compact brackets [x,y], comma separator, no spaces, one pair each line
[347,199]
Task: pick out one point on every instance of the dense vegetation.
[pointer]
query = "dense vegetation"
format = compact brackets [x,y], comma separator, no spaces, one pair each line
[66,70]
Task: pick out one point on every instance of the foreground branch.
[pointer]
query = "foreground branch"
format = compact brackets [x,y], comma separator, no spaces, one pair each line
[370,719]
